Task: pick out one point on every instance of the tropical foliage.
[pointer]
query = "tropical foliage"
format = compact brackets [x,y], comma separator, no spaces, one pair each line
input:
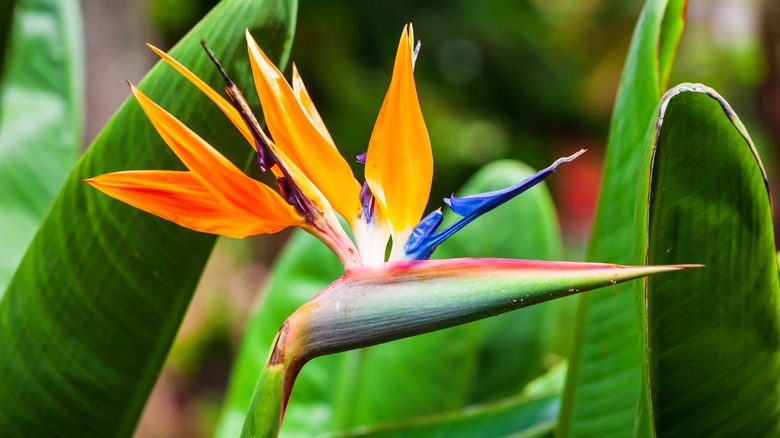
[95,290]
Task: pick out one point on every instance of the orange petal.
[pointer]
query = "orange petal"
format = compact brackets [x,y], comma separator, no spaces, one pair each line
[182,198]
[224,179]
[399,164]
[305,100]
[239,123]
[215,97]
[312,192]
[299,139]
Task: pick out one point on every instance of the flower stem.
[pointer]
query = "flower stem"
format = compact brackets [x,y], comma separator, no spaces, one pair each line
[272,392]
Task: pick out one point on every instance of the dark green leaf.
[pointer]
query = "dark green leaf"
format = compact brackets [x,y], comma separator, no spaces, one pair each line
[41,116]
[531,414]
[534,416]
[713,334]
[90,314]
[6,18]
[605,369]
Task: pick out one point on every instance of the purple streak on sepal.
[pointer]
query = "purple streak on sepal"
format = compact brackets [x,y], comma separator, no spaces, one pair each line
[472,207]
[368,202]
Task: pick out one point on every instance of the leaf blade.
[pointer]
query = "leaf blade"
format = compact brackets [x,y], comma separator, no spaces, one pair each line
[41,117]
[709,203]
[603,387]
[99,271]
[532,413]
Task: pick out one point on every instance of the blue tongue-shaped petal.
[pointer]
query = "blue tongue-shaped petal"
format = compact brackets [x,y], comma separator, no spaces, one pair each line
[424,242]
[424,229]
[484,202]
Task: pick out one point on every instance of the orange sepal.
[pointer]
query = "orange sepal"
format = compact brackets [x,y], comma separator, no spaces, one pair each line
[297,136]
[223,178]
[399,164]
[215,97]
[299,89]
[182,198]
[312,192]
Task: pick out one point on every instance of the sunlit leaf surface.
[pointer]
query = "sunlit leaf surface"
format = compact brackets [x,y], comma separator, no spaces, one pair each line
[90,314]
[41,116]
[713,334]
[605,371]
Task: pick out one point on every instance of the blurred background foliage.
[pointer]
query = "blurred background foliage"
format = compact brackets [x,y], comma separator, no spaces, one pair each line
[531,80]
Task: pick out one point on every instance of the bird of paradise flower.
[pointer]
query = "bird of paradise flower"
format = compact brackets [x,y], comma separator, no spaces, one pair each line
[379,298]
[314,182]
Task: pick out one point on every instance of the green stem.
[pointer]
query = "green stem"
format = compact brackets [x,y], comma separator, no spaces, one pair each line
[265,413]
[269,400]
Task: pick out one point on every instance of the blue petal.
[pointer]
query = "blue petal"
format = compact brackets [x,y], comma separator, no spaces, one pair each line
[361,158]
[484,202]
[428,225]
[470,208]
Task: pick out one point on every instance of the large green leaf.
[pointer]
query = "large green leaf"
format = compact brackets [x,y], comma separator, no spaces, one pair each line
[605,369]
[90,314]
[531,414]
[496,419]
[399,380]
[41,117]
[713,334]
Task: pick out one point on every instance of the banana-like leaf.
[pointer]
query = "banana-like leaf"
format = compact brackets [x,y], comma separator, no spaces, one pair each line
[41,116]
[93,308]
[398,380]
[712,335]
[496,419]
[533,413]
[605,370]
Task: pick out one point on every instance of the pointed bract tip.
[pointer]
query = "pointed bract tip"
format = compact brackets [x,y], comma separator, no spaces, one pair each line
[686,266]
[658,269]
